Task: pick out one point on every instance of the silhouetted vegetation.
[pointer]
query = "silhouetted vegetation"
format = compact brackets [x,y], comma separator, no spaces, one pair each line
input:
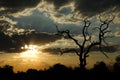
[60,72]
[88,41]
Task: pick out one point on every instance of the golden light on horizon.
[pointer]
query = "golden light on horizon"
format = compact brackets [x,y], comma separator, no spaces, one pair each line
[30,53]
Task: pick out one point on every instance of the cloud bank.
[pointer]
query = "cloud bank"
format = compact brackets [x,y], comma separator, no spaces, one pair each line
[14,42]
[85,7]
[12,6]
[93,7]
[71,10]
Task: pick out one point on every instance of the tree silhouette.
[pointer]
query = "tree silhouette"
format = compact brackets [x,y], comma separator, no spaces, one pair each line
[88,42]
[117,64]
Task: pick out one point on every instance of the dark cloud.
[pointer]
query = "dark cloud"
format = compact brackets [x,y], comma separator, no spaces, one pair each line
[12,6]
[85,7]
[51,50]
[42,38]
[93,7]
[88,7]
[107,49]
[4,25]
[15,42]
[5,41]
[58,3]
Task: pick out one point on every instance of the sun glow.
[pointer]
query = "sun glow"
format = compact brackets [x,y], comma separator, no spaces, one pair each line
[31,51]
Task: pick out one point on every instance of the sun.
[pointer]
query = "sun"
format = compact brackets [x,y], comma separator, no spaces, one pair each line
[31,51]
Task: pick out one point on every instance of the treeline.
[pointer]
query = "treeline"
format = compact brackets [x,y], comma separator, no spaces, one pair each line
[60,72]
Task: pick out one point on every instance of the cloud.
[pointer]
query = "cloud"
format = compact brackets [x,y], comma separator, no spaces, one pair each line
[12,6]
[58,3]
[42,38]
[62,43]
[14,42]
[6,23]
[40,21]
[51,50]
[85,7]
[67,46]
[72,11]
[58,11]
[117,18]
[107,49]
[117,34]
[94,7]
[88,7]
[16,8]
[61,11]
[8,20]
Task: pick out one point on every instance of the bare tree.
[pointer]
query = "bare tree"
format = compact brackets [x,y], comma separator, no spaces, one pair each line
[84,48]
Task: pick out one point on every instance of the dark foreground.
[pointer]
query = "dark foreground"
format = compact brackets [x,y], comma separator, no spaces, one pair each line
[60,72]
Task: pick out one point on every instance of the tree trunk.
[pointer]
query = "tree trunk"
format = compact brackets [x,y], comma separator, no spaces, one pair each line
[82,61]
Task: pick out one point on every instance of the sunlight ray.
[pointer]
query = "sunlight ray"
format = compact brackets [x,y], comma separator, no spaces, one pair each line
[31,52]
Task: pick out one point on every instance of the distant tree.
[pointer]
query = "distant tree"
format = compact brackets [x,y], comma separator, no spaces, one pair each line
[84,48]
[100,67]
[117,64]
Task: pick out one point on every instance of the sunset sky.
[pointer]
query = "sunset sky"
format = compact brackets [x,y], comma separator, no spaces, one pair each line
[33,23]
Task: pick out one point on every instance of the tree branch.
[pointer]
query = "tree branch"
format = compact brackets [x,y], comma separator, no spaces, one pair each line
[67,32]
[70,50]
[85,32]
[103,29]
